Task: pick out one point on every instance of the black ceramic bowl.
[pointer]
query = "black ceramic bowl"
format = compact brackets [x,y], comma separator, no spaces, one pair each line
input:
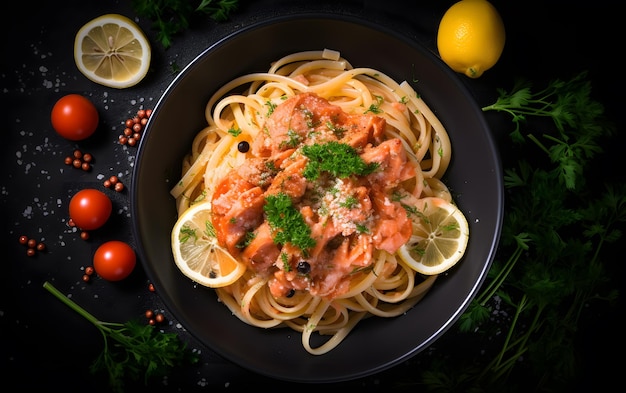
[376,344]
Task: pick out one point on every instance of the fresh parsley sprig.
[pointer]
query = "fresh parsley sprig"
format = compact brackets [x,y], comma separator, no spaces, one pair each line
[171,17]
[552,264]
[575,114]
[339,159]
[132,351]
[287,223]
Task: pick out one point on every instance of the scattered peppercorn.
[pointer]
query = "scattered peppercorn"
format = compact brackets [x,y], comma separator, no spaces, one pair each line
[79,160]
[154,318]
[159,318]
[89,271]
[33,246]
[133,127]
[243,146]
[303,267]
[114,182]
[151,287]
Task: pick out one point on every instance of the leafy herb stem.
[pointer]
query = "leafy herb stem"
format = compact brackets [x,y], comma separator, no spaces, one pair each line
[73,305]
[131,349]
[171,17]
[552,263]
[491,289]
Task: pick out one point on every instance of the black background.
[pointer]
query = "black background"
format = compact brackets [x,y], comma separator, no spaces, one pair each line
[46,345]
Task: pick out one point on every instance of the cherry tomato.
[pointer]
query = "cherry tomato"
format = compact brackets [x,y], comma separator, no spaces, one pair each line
[90,209]
[74,117]
[114,260]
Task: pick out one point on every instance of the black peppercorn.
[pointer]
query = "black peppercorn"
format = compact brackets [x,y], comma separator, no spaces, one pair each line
[303,267]
[243,146]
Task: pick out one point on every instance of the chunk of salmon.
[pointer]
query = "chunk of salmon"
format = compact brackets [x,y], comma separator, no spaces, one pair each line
[360,130]
[393,228]
[237,207]
[261,253]
[290,180]
[288,126]
[392,160]
[256,172]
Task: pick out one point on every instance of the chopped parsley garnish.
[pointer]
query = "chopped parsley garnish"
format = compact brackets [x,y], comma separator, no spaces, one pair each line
[247,239]
[375,108]
[187,233]
[338,159]
[293,141]
[288,225]
[362,228]
[350,202]
[339,132]
[285,260]
[270,107]
[234,131]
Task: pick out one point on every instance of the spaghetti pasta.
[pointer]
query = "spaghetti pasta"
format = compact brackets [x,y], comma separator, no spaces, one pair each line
[322,199]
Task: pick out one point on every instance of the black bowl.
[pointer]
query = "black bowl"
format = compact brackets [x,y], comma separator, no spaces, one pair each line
[474,177]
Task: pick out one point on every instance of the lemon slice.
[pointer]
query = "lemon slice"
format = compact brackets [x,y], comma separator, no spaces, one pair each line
[197,252]
[440,236]
[113,51]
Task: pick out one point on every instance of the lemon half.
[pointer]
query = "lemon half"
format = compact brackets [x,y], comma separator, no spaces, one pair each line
[113,51]
[440,237]
[197,252]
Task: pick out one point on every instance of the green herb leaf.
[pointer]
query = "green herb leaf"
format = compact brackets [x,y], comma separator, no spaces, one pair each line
[338,159]
[552,264]
[287,223]
[132,351]
[171,17]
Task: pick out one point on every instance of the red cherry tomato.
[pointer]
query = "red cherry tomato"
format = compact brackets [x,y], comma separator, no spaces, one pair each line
[74,117]
[90,209]
[114,260]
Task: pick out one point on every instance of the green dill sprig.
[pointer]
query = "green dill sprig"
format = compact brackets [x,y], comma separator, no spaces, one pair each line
[171,17]
[132,351]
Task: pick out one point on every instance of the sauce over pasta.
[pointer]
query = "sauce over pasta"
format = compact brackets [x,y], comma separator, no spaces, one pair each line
[320,203]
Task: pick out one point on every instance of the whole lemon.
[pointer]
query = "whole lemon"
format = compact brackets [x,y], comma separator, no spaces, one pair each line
[471,37]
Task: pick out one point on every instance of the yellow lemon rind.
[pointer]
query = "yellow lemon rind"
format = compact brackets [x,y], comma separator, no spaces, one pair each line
[471,37]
